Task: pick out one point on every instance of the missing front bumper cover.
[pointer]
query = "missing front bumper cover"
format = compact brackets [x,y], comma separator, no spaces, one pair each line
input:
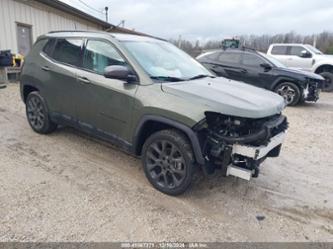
[258,152]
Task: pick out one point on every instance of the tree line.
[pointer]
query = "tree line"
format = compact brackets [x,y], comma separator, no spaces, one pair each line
[323,41]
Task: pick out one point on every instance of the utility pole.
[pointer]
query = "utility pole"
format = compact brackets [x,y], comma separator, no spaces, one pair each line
[106,13]
[315,40]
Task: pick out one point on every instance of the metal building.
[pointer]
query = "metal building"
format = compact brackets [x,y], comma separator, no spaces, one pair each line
[22,21]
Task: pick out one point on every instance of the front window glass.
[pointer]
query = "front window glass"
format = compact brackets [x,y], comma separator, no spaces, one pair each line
[296,50]
[251,60]
[99,54]
[163,60]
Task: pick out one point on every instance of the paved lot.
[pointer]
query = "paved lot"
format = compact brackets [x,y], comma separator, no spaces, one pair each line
[69,187]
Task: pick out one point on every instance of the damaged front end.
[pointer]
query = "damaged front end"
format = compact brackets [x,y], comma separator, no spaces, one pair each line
[312,90]
[239,145]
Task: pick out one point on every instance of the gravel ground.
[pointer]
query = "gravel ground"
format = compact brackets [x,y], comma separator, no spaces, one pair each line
[69,187]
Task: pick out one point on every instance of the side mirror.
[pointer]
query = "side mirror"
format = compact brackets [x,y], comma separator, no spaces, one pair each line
[266,66]
[305,54]
[119,73]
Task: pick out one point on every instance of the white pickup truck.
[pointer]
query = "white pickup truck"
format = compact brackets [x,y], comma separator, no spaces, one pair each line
[305,57]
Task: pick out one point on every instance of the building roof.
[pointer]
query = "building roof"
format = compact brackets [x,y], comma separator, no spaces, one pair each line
[57,4]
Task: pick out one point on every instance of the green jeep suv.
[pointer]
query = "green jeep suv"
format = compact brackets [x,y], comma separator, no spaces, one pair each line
[154,101]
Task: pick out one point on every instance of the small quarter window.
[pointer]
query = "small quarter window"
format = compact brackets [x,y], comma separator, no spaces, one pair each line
[48,48]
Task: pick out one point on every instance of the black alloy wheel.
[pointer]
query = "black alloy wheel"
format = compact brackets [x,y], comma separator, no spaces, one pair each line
[290,92]
[168,161]
[37,114]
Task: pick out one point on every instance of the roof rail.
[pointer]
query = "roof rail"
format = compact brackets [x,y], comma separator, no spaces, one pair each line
[79,31]
[243,48]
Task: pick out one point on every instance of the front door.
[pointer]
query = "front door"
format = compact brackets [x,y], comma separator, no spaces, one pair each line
[24,39]
[105,104]
[296,60]
[253,73]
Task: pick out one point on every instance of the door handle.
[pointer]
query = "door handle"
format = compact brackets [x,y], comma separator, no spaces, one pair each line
[46,68]
[83,80]
[243,71]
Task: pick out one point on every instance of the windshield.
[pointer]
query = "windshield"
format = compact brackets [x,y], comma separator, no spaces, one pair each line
[163,61]
[274,61]
[313,49]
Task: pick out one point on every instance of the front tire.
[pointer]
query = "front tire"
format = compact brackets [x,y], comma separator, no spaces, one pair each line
[328,83]
[168,161]
[290,92]
[38,114]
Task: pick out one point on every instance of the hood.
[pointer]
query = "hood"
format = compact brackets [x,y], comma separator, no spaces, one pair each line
[301,72]
[228,97]
[324,56]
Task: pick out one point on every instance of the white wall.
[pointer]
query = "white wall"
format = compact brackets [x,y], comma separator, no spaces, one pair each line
[42,18]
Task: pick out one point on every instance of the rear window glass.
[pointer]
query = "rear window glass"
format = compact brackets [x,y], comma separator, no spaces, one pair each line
[279,50]
[233,58]
[68,51]
[48,48]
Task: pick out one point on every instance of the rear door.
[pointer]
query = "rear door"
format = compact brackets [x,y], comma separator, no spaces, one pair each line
[228,65]
[60,64]
[105,105]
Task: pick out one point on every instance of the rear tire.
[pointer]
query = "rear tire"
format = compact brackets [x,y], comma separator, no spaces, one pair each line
[290,92]
[328,84]
[168,161]
[38,114]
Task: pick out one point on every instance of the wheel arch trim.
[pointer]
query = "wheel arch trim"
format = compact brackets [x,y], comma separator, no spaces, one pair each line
[167,121]
[286,79]
[322,66]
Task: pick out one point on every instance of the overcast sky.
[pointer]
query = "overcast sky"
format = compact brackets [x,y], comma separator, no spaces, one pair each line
[215,19]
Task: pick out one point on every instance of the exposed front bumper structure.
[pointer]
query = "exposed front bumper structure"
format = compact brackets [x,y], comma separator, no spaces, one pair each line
[312,91]
[258,152]
[241,151]
[253,154]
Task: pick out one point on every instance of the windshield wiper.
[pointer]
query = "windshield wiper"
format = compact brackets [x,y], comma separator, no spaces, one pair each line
[200,76]
[167,78]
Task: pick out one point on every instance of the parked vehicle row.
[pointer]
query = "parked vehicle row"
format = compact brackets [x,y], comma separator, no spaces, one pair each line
[154,101]
[264,71]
